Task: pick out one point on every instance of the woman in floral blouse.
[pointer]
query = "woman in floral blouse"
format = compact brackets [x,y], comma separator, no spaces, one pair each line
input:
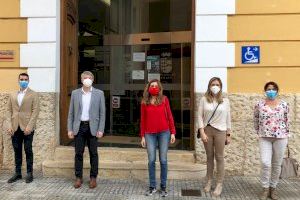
[272,126]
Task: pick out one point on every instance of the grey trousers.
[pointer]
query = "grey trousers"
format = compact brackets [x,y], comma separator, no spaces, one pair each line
[271,156]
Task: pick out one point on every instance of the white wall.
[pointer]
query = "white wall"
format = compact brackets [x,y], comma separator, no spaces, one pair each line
[41,53]
[213,54]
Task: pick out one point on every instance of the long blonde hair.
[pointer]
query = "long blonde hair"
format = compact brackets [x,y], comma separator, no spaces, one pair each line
[209,95]
[147,96]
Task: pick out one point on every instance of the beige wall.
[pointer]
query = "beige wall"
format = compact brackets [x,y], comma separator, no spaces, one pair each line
[222,29]
[267,6]
[264,27]
[9,8]
[272,25]
[44,140]
[273,54]
[16,62]
[9,79]
[253,79]
[13,30]
[242,155]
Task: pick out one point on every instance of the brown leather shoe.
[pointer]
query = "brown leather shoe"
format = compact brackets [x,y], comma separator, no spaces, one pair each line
[273,193]
[78,183]
[265,194]
[93,183]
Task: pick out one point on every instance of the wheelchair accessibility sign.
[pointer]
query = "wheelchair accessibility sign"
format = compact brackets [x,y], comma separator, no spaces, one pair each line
[250,54]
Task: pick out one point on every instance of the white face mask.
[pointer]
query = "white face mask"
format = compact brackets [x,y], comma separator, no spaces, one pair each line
[215,89]
[87,82]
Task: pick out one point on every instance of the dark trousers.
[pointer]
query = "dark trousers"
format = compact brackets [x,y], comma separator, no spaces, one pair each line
[17,142]
[84,136]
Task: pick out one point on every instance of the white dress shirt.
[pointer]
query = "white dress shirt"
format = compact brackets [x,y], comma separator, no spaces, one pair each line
[21,95]
[86,100]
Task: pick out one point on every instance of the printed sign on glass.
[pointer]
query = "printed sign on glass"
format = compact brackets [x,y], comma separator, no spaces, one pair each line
[115,102]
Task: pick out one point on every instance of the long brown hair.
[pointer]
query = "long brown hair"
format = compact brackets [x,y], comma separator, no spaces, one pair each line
[209,95]
[147,96]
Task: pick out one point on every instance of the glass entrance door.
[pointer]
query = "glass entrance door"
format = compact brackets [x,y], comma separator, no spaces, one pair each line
[170,63]
[126,43]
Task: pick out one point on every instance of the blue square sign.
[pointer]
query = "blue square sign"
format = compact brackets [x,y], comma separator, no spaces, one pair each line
[250,54]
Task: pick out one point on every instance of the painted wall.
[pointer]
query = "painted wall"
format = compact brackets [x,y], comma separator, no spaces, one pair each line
[13,33]
[31,29]
[213,53]
[272,25]
[224,26]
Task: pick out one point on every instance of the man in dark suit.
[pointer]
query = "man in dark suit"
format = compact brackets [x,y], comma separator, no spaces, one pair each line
[86,122]
[23,109]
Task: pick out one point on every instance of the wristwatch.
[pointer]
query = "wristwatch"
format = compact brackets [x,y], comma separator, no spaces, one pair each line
[228,134]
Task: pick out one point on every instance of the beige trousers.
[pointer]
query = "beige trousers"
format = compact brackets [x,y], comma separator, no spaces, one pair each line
[215,150]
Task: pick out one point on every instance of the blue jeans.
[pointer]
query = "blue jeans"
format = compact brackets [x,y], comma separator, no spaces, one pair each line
[161,139]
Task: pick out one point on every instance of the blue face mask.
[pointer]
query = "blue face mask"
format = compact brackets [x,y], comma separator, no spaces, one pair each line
[271,94]
[23,84]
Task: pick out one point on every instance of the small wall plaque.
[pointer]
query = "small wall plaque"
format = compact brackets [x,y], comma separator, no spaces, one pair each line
[7,55]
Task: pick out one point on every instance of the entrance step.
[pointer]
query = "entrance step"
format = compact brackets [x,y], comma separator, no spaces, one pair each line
[123,154]
[119,163]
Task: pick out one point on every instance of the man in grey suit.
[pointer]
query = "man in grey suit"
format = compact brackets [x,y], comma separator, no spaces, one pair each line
[86,122]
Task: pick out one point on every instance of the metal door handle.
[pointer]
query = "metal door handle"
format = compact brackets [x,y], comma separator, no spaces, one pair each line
[70,49]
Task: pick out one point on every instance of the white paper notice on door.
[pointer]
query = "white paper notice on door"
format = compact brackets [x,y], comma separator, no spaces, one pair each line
[138,75]
[138,57]
[153,76]
[148,65]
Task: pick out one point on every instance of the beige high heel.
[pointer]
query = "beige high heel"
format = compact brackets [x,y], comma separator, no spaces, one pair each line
[207,187]
[218,190]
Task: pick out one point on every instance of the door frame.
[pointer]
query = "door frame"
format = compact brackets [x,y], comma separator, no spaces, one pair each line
[117,39]
[193,41]
[174,37]
[68,11]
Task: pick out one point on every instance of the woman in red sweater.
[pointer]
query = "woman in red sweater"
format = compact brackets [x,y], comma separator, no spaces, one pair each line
[157,128]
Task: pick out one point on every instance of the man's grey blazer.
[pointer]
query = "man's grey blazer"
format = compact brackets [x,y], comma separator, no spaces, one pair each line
[96,111]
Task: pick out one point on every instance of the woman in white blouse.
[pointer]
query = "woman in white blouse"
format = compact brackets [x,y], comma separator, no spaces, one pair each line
[214,129]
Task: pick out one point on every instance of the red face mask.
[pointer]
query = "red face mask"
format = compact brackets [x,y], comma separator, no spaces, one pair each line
[154,91]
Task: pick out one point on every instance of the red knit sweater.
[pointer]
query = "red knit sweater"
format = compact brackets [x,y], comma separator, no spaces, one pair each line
[156,118]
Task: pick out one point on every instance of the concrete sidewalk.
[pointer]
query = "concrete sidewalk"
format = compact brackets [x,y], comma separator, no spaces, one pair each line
[62,188]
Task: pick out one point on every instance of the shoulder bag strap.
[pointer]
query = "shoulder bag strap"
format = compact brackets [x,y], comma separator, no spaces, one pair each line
[213,113]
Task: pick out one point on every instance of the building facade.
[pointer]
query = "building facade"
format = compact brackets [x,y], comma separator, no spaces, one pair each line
[126,43]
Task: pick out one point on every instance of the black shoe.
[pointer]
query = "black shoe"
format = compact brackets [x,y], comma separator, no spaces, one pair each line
[14,178]
[151,191]
[29,178]
[163,192]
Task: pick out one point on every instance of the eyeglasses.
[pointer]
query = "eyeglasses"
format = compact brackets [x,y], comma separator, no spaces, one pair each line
[23,79]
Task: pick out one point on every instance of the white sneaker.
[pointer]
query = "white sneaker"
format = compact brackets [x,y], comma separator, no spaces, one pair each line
[151,191]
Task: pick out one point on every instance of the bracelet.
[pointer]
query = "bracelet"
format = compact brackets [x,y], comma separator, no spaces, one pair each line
[228,134]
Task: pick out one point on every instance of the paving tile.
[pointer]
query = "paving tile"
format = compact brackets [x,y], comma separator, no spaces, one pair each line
[235,187]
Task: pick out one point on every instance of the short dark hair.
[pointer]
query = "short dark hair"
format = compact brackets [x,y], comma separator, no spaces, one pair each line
[23,74]
[275,85]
